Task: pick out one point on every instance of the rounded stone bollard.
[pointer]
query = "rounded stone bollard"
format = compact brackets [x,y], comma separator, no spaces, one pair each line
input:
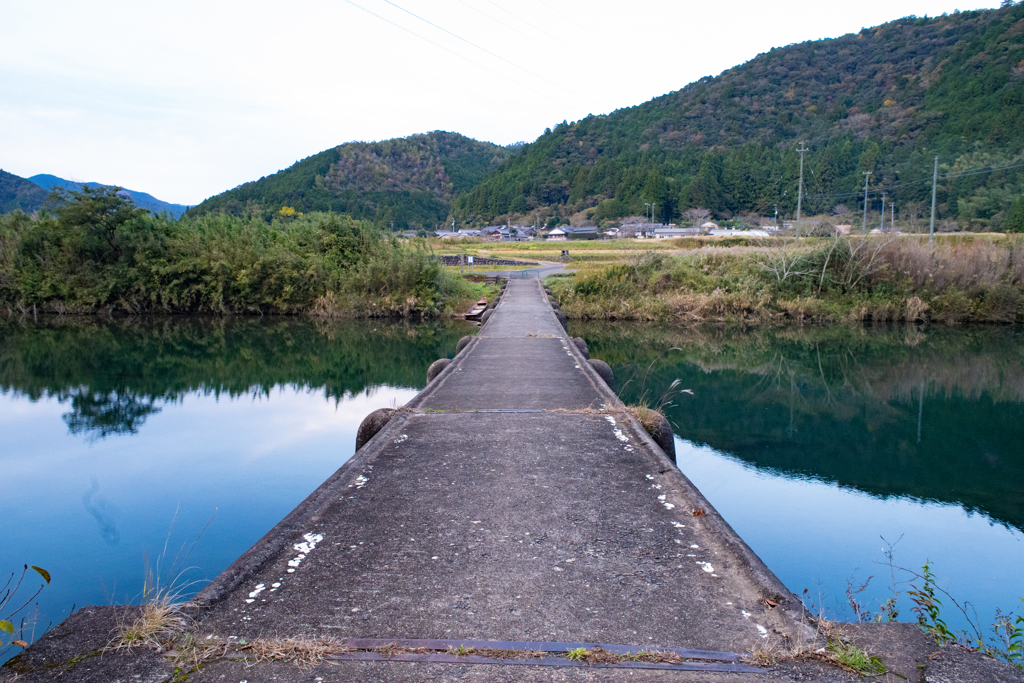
[582,346]
[604,370]
[485,316]
[562,319]
[462,344]
[436,368]
[373,423]
[660,429]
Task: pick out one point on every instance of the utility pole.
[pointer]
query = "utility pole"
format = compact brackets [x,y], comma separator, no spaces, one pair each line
[800,196]
[892,216]
[864,225]
[881,226]
[776,216]
[931,227]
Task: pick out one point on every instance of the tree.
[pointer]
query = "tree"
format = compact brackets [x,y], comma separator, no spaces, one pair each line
[1015,216]
[697,216]
[100,212]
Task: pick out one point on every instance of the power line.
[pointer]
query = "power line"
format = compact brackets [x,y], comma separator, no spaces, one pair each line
[547,45]
[993,169]
[456,54]
[571,20]
[485,50]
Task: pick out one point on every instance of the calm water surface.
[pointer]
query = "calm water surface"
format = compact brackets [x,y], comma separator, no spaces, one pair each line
[821,446]
[118,440]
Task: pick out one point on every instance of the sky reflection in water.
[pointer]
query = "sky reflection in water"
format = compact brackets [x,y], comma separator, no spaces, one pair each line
[89,511]
[817,535]
[120,438]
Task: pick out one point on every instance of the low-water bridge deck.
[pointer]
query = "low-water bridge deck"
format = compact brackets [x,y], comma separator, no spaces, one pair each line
[512,500]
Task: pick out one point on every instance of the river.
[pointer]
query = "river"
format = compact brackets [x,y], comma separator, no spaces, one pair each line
[167,447]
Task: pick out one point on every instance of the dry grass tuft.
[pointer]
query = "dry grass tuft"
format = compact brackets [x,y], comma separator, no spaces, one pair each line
[305,652]
[156,626]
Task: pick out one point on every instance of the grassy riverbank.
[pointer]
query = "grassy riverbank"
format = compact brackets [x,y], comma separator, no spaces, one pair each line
[97,253]
[877,278]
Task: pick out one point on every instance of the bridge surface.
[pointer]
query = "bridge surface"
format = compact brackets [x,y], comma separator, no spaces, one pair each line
[512,499]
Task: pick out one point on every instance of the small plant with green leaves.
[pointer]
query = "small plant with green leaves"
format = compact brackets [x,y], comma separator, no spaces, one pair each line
[10,623]
[928,608]
[849,656]
[577,655]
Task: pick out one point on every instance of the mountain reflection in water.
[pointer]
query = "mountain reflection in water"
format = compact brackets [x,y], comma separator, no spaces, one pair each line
[934,414]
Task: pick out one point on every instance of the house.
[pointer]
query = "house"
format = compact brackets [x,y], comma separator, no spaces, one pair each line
[583,233]
[557,235]
[710,225]
[672,232]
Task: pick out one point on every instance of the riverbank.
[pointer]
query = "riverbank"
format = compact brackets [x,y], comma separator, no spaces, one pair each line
[97,253]
[877,278]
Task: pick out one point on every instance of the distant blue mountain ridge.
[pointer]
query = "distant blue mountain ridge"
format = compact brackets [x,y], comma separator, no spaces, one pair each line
[143,200]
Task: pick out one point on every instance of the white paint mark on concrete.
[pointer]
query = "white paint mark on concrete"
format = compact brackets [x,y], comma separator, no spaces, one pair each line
[303,548]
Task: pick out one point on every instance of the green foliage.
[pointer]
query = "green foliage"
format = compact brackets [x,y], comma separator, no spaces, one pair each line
[1015,216]
[12,628]
[854,658]
[928,608]
[821,279]
[886,100]
[97,251]
[1009,633]
[407,181]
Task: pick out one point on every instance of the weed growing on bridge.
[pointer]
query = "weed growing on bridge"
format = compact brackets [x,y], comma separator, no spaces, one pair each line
[1006,641]
[163,613]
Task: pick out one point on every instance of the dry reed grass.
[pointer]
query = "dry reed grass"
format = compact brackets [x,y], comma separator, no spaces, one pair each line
[306,652]
[155,625]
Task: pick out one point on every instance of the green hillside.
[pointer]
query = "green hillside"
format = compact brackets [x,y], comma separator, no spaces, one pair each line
[20,193]
[887,100]
[410,181]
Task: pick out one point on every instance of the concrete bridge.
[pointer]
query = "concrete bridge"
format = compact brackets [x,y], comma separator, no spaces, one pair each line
[510,514]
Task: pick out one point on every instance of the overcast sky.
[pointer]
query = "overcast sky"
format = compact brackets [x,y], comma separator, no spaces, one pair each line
[187,99]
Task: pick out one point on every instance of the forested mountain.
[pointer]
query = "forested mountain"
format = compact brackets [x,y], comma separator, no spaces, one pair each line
[19,193]
[409,181]
[143,200]
[887,100]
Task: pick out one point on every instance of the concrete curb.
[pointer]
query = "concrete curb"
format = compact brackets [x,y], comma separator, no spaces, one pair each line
[754,567]
[304,514]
